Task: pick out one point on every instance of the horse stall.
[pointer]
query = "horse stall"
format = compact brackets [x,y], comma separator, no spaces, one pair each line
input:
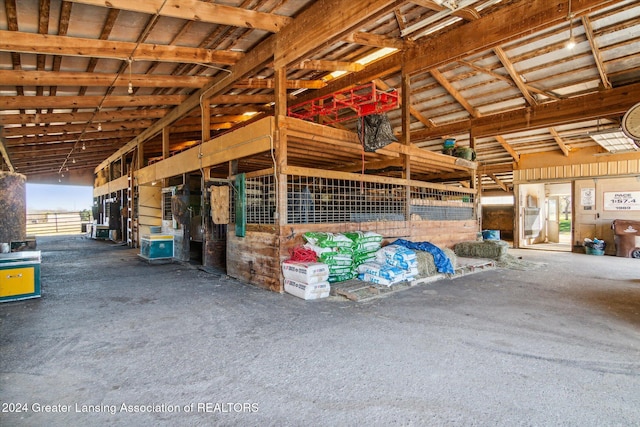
[319,178]
[256,190]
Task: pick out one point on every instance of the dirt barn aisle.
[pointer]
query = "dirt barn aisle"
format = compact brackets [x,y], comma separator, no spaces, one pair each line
[115,341]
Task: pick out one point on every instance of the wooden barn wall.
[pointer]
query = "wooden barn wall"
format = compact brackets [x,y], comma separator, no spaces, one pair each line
[149,208]
[588,163]
[254,258]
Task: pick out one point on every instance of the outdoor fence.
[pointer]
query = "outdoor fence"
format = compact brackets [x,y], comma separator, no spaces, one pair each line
[49,223]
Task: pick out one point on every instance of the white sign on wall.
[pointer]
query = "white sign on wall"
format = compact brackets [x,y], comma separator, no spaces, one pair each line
[622,201]
[588,197]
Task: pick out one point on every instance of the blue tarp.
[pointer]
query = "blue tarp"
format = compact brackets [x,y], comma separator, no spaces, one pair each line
[441,260]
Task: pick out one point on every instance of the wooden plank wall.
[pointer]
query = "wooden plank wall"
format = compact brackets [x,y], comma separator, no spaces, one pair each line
[254,259]
[149,208]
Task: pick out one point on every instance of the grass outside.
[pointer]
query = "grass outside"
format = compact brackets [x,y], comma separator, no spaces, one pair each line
[565,225]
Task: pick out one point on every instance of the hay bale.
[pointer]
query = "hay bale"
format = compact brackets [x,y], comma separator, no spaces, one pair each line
[426,265]
[490,249]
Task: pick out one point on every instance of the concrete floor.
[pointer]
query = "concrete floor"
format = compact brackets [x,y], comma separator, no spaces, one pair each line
[112,336]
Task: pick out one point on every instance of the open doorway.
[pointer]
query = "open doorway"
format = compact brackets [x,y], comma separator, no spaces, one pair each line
[545,213]
[558,220]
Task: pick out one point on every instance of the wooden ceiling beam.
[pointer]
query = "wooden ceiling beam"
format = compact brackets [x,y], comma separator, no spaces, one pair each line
[65,102]
[270,84]
[610,103]
[101,116]
[559,141]
[13,41]
[72,79]
[507,79]
[509,148]
[376,40]
[595,50]
[95,126]
[324,22]
[437,75]
[320,23]
[498,181]
[495,29]
[515,76]
[5,156]
[195,10]
[68,102]
[320,65]
[414,112]
[56,139]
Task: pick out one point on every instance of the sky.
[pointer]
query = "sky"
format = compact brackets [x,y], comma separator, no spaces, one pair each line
[72,198]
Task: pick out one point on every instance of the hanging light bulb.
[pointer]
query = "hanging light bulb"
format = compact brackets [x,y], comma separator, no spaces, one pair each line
[83,146]
[73,160]
[67,169]
[130,89]
[62,175]
[571,43]
[99,127]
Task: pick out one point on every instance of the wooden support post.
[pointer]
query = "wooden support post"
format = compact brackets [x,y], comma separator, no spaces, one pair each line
[280,144]
[165,143]
[140,155]
[406,138]
[206,120]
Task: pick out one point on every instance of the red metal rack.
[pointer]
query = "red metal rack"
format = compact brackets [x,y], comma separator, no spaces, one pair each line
[346,105]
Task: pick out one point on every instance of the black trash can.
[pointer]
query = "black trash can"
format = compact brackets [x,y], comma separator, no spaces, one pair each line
[626,237]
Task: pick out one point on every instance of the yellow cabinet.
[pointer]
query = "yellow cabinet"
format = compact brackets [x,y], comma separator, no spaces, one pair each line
[19,276]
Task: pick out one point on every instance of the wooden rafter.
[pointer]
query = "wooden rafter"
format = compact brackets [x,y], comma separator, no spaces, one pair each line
[376,40]
[571,110]
[509,148]
[195,10]
[68,78]
[497,29]
[5,155]
[509,80]
[414,112]
[319,23]
[11,41]
[597,57]
[498,181]
[322,23]
[327,65]
[103,116]
[515,76]
[15,102]
[559,141]
[437,75]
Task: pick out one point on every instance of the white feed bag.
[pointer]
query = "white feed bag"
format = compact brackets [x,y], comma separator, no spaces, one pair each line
[307,291]
[305,272]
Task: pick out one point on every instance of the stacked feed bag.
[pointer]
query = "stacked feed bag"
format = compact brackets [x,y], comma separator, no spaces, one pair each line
[392,264]
[336,251]
[306,280]
[365,245]
[380,273]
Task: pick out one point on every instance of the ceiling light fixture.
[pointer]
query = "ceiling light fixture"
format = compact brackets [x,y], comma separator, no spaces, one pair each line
[99,127]
[73,160]
[451,4]
[571,43]
[614,141]
[83,146]
[130,89]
